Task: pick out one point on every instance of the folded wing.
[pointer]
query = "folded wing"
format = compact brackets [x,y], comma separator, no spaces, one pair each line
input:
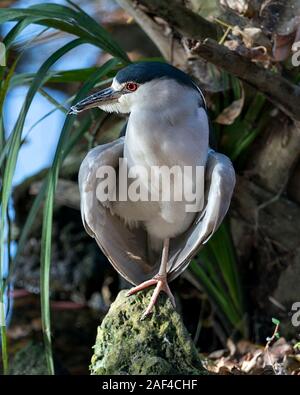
[219,186]
[127,248]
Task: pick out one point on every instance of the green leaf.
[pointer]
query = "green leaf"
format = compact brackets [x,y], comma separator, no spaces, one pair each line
[216,271]
[297,346]
[76,22]
[73,21]
[275,321]
[11,160]
[62,146]
[79,75]
[15,143]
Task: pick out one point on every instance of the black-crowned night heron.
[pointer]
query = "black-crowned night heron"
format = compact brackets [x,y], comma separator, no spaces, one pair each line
[151,241]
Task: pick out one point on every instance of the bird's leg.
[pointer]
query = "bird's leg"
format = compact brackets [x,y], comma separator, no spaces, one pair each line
[160,280]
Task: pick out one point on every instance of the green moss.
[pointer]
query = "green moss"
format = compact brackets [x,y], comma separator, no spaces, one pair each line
[30,361]
[160,344]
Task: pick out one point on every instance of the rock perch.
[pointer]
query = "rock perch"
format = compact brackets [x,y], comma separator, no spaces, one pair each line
[158,345]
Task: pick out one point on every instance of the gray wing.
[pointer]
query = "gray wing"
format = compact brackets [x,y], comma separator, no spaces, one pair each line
[127,248]
[219,186]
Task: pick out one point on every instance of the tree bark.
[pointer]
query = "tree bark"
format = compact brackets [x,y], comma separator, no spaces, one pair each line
[191,26]
[278,89]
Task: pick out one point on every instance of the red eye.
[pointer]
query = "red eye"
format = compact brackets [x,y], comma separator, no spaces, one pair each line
[131,86]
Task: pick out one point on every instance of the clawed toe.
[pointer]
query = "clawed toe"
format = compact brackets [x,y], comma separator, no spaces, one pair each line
[161,285]
[141,286]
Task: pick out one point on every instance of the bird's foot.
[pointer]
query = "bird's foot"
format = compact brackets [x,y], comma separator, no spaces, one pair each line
[161,285]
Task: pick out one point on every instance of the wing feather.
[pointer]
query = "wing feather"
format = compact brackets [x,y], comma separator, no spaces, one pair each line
[219,186]
[126,248]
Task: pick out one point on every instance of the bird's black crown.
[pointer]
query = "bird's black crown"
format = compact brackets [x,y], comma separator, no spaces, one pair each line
[147,71]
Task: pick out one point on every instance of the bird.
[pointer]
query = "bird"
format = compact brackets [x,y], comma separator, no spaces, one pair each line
[152,241]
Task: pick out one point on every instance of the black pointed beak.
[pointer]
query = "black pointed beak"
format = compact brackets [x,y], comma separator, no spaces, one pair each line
[105,96]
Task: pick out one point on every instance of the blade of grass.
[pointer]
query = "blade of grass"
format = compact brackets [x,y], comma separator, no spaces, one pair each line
[15,31]
[5,193]
[55,77]
[4,89]
[216,294]
[48,215]
[14,151]
[88,30]
[5,86]
[69,20]
[41,195]
[218,275]
[222,248]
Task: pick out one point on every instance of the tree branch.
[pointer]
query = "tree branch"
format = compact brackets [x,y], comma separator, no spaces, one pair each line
[181,18]
[278,89]
[171,49]
[192,26]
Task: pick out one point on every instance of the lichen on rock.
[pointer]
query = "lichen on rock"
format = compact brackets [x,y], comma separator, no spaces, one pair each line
[30,360]
[160,344]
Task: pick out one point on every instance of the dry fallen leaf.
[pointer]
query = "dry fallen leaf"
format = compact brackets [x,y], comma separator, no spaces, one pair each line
[230,113]
[245,357]
[285,44]
[231,347]
[245,346]
[252,36]
[247,366]
[282,20]
[217,354]
[281,348]
[241,6]
[282,46]
[259,53]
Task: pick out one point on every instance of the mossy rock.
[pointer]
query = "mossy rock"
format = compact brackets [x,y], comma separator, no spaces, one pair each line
[30,360]
[160,344]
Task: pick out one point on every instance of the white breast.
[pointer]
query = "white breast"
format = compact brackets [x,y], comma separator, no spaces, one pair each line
[175,134]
